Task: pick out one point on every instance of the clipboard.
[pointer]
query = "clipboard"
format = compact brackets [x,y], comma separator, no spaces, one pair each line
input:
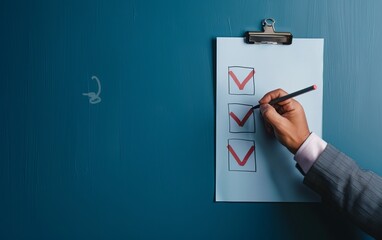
[247,159]
[269,35]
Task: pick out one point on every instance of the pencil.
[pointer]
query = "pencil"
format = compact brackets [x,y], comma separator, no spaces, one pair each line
[291,95]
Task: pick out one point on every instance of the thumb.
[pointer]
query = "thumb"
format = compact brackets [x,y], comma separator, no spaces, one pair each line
[270,114]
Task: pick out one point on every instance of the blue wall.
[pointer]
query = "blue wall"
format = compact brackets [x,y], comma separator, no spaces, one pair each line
[140,164]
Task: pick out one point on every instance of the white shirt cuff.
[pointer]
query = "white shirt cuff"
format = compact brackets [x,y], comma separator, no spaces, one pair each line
[309,151]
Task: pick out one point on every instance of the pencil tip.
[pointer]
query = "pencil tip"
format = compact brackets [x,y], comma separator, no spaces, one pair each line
[254,107]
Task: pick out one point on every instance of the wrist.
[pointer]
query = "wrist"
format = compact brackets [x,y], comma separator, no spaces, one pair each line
[309,151]
[299,142]
[303,140]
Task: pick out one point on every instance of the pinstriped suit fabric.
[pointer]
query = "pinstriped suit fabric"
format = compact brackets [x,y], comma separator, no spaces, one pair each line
[354,192]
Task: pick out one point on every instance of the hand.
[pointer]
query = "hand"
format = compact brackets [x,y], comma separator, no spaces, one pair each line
[286,120]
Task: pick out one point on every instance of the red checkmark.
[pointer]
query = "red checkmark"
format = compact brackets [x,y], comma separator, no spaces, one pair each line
[244,120]
[245,81]
[245,159]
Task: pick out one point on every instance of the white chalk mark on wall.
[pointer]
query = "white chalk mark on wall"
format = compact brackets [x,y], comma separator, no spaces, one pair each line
[94,97]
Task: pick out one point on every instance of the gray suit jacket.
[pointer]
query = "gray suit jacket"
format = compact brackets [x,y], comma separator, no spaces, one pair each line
[351,190]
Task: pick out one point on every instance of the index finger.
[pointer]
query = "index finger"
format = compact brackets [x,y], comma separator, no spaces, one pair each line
[272,95]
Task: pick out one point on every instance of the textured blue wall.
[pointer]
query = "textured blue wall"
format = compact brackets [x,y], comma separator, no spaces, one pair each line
[140,164]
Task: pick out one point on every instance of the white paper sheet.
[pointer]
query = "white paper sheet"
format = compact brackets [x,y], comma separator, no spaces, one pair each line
[251,166]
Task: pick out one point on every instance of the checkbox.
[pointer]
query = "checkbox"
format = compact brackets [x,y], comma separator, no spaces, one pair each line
[241,155]
[241,80]
[241,118]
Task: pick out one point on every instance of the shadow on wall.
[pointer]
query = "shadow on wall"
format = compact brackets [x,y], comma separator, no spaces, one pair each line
[318,221]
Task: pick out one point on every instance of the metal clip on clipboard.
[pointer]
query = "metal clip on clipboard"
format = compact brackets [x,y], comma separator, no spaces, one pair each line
[269,36]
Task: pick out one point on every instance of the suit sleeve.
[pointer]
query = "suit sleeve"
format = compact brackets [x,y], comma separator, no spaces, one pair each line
[354,192]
